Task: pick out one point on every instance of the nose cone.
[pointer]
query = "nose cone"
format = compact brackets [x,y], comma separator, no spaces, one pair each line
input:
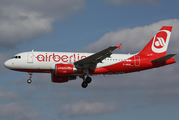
[8,64]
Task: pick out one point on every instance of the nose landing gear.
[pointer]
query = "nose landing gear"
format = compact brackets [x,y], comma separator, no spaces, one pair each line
[30,76]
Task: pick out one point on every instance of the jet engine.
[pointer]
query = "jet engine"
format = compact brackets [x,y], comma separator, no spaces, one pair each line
[64,69]
[61,79]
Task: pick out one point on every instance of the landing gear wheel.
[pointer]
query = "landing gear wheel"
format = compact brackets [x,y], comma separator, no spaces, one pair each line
[88,79]
[30,76]
[84,84]
[29,81]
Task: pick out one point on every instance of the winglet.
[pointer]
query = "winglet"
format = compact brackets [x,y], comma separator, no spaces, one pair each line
[119,46]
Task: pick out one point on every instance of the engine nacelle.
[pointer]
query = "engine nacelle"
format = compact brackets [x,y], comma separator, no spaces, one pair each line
[61,79]
[64,69]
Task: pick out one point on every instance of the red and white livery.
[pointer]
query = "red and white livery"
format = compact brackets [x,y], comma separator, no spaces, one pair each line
[65,66]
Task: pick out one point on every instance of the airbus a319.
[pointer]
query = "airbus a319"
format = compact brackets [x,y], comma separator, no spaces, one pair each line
[66,66]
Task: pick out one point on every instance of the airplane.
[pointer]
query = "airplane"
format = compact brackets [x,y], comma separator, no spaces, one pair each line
[66,66]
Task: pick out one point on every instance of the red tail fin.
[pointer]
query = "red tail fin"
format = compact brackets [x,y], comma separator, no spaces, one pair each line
[157,46]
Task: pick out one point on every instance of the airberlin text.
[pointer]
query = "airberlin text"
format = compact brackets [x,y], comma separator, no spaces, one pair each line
[58,58]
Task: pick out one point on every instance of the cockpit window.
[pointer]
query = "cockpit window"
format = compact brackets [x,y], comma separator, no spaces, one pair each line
[16,57]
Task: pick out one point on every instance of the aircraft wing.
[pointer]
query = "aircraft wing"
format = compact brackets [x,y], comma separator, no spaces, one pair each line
[92,60]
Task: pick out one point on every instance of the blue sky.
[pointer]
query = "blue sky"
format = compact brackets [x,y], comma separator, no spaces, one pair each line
[89,26]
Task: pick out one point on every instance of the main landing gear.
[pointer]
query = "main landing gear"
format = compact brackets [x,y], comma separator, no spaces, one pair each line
[30,76]
[86,81]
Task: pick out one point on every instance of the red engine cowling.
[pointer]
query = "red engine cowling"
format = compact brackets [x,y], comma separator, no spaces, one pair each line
[64,69]
[61,79]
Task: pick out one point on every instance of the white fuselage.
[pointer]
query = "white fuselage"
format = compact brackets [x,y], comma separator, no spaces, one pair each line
[47,60]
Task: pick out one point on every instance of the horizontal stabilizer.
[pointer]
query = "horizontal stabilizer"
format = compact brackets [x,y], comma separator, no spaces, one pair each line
[163,59]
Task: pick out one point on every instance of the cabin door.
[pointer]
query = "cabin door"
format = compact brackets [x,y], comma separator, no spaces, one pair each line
[30,57]
[137,61]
